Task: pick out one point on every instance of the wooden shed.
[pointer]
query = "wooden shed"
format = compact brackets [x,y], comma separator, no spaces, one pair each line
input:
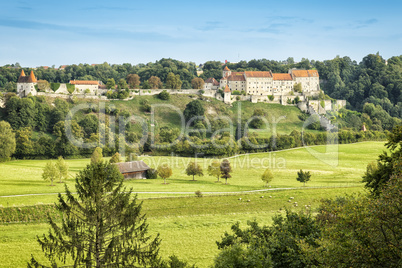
[133,170]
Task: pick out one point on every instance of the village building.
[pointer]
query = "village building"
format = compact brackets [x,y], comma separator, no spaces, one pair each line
[133,169]
[82,86]
[26,84]
[211,84]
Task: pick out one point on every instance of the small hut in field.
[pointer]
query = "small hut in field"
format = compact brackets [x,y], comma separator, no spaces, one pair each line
[133,169]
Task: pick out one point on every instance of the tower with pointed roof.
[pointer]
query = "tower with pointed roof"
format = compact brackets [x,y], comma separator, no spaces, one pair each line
[226,72]
[26,84]
[227,95]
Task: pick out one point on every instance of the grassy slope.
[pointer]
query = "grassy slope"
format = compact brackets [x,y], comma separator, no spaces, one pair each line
[285,118]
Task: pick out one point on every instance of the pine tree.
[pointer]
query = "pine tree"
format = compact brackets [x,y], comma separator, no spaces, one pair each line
[102,225]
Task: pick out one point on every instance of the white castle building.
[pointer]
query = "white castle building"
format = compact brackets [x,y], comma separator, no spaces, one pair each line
[268,83]
[26,84]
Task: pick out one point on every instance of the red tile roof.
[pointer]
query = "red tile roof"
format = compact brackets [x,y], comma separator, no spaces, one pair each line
[27,78]
[226,69]
[281,76]
[305,73]
[212,80]
[258,74]
[82,82]
[227,89]
[22,73]
[236,76]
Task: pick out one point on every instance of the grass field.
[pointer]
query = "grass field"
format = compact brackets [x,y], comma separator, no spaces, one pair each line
[189,226]
[23,177]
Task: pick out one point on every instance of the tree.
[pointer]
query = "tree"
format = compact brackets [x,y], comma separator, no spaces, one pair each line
[62,168]
[50,172]
[173,81]
[276,245]
[257,121]
[194,169]
[164,171]
[43,85]
[226,169]
[378,175]
[7,141]
[193,109]
[133,81]
[155,82]
[115,158]
[24,144]
[197,83]
[267,176]
[297,87]
[101,226]
[303,176]
[96,155]
[214,169]
[363,231]
[151,174]
[110,84]
[164,95]
[122,84]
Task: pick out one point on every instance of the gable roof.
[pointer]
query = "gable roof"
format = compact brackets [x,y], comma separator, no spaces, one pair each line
[212,80]
[305,73]
[258,74]
[82,82]
[133,166]
[281,76]
[236,76]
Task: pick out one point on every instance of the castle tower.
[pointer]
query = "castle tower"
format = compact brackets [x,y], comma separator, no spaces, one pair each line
[26,84]
[227,95]
[226,72]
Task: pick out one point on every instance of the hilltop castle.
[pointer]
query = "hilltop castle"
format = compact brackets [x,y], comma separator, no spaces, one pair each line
[268,83]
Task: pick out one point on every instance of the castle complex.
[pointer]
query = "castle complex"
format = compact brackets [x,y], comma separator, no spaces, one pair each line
[268,83]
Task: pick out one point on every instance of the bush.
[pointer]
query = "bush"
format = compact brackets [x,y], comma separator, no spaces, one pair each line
[271,97]
[198,193]
[151,174]
[164,95]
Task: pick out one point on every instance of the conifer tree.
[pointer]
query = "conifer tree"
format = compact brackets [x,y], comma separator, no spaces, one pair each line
[102,225]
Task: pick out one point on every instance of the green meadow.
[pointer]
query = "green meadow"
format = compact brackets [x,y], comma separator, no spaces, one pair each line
[188,225]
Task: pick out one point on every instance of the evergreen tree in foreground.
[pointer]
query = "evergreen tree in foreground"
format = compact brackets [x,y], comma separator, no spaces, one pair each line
[102,225]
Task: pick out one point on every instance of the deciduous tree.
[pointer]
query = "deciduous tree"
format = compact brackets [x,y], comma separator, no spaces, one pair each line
[267,176]
[197,83]
[155,82]
[164,171]
[194,169]
[226,169]
[7,141]
[133,81]
[214,169]
[50,172]
[303,176]
[62,168]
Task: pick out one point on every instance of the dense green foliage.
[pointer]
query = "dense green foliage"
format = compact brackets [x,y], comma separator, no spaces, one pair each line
[7,141]
[378,175]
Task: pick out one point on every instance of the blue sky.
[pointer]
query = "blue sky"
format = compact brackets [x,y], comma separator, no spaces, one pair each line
[46,33]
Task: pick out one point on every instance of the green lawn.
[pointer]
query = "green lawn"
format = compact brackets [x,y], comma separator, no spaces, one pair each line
[24,176]
[188,227]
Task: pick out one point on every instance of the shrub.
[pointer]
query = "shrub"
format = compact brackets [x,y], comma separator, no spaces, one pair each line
[164,95]
[198,193]
[151,174]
